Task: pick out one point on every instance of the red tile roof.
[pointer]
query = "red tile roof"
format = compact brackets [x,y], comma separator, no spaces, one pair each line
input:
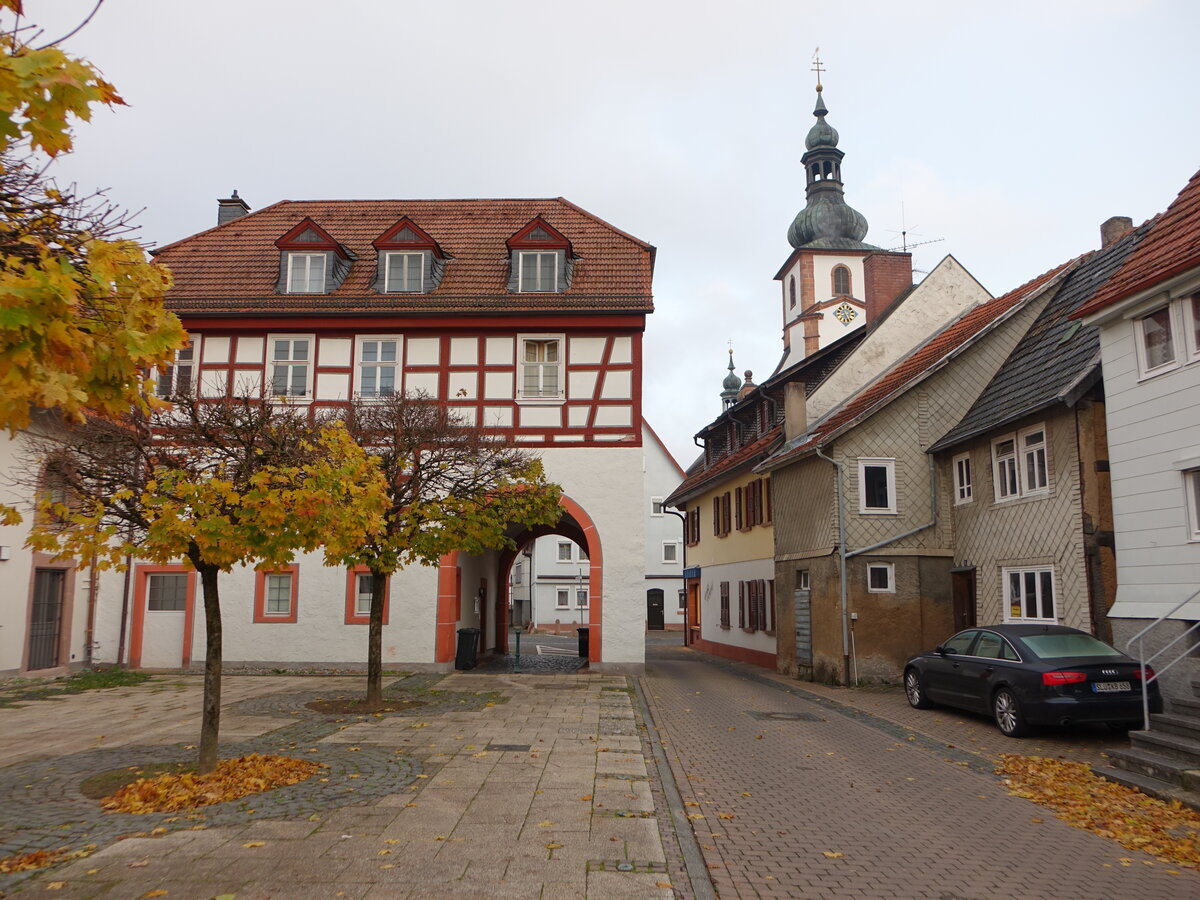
[235,267]
[921,362]
[1172,246]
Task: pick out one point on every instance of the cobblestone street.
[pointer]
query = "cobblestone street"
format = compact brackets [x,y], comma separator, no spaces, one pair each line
[795,795]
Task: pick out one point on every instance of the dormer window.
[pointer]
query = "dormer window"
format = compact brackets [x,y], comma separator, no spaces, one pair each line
[409,261]
[539,272]
[541,259]
[404,272]
[311,262]
[306,273]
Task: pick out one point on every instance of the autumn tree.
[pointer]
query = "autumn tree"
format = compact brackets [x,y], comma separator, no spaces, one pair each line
[216,483]
[451,486]
[81,306]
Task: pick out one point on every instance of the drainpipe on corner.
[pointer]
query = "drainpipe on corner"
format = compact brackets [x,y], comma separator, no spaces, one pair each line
[124,611]
[841,520]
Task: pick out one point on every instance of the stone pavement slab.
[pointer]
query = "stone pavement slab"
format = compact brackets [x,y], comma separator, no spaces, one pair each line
[498,787]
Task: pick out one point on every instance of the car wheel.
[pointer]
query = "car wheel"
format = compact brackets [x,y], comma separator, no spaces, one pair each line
[914,689]
[1007,712]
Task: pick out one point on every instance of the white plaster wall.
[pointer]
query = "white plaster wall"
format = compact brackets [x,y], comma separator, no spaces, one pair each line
[710,603]
[16,573]
[823,266]
[945,293]
[661,476]
[607,483]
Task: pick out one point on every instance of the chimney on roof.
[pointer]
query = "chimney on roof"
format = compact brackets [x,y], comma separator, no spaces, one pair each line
[795,410]
[231,208]
[886,276]
[1114,229]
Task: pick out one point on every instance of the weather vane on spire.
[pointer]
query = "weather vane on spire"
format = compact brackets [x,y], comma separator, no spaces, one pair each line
[817,67]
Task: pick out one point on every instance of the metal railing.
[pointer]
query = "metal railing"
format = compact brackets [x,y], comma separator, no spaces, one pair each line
[1144,661]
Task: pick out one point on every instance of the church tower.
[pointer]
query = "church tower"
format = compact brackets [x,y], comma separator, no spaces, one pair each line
[833,283]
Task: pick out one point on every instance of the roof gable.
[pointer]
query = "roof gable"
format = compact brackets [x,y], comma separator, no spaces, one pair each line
[1171,247]
[308,235]
[407,235]
[539,235]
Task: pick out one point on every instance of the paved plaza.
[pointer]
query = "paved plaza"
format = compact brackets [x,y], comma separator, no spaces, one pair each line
[703,778]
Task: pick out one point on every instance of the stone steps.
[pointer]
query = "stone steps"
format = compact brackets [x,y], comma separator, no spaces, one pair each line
[1163,762]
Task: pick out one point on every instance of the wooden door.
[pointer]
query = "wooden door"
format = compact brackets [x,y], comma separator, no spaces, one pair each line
[655,618]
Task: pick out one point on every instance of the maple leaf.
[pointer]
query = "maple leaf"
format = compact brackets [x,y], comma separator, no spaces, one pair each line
[831,854]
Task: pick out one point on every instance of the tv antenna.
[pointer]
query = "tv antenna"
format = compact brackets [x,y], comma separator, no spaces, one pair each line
[905,234]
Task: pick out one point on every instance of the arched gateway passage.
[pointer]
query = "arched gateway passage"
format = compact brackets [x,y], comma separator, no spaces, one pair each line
[574,524]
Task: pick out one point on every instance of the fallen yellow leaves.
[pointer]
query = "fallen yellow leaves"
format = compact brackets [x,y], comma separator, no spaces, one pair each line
[232,779]
[24,862]
[1167,831]
[831,854]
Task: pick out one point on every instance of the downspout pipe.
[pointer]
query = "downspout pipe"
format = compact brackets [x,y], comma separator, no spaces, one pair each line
[933,516]
[841,521]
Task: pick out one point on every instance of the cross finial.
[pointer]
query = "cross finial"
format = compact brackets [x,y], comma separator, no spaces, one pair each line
[817,67]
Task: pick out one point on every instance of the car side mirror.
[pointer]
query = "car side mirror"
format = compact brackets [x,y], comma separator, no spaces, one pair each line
[942,650]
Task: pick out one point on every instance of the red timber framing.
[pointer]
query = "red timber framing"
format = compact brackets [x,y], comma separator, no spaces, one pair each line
[452,364]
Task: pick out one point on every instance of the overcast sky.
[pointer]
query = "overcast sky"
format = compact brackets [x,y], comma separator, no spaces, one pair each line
[1007,132]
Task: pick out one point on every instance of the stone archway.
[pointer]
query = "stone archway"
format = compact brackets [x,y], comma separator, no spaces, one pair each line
[575,524]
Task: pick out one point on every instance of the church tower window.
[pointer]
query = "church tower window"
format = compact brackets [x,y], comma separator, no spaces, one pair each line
[841,281]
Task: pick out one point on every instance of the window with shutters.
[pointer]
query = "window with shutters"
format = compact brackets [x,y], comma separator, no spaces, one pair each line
[742,619]
[541,375]
[724,604]
[693,529]
[737,508]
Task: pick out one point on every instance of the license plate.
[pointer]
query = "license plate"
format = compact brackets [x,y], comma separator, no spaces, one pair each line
[1110,687]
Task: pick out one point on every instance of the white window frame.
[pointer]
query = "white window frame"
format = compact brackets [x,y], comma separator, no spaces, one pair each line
[1191,491]
[570,547]
[387,271]
[1011,471]
[889,465]
[310,362]
[802,580]
[362,599]
[522,287]
[673,558]
[153,578]
[268,583]
[360,342]
[166,383]
[1022,572]
[542,394]
[1027,453]
[656,502]
[890,570]
[964,485]
[1145,369]
[562,598]
[1191,325]
[308,275]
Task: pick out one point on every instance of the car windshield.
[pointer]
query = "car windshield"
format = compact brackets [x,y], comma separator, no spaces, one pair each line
[1060,646]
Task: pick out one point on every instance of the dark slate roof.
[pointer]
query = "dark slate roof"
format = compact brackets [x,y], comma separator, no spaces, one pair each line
[235,266]
[917,366]
[1057,359]
[1171,247]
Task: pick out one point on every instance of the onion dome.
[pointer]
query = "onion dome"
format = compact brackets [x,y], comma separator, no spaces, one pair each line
[731,385]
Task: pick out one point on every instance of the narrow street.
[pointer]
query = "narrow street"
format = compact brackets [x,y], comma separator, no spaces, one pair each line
[829,803]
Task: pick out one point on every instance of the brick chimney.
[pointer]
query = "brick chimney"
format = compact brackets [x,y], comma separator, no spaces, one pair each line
[231,208]
[886,276]
[1114,229]
[795,410]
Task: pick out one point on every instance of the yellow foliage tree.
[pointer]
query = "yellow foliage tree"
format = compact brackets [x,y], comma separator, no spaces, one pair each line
[216,483]
[81,306]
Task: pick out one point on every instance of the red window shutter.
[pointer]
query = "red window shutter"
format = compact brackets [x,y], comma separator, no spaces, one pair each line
[717,516]
[726,519]
[737,508]
[753,603]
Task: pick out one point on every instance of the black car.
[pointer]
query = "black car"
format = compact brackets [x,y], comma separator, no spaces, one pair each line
[1026,675]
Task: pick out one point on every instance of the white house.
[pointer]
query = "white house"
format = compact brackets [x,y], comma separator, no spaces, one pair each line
[1149,319]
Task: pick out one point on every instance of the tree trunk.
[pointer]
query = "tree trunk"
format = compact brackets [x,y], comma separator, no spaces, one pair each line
[210,722]
[375,640]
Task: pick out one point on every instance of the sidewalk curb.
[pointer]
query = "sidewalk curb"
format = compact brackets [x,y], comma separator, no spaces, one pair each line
[693,858]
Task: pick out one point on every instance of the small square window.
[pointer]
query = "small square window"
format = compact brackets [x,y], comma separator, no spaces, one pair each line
[279,594]
[881,578]
[362,596]
[1029,594]
[581,598]
[802,580]
[877,493]
[564,551]
[562,599]
[538,272]
[306,273]
[275,594]
[1156,341]
[656,506]
[405,273]
[166,593]
[670,552]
